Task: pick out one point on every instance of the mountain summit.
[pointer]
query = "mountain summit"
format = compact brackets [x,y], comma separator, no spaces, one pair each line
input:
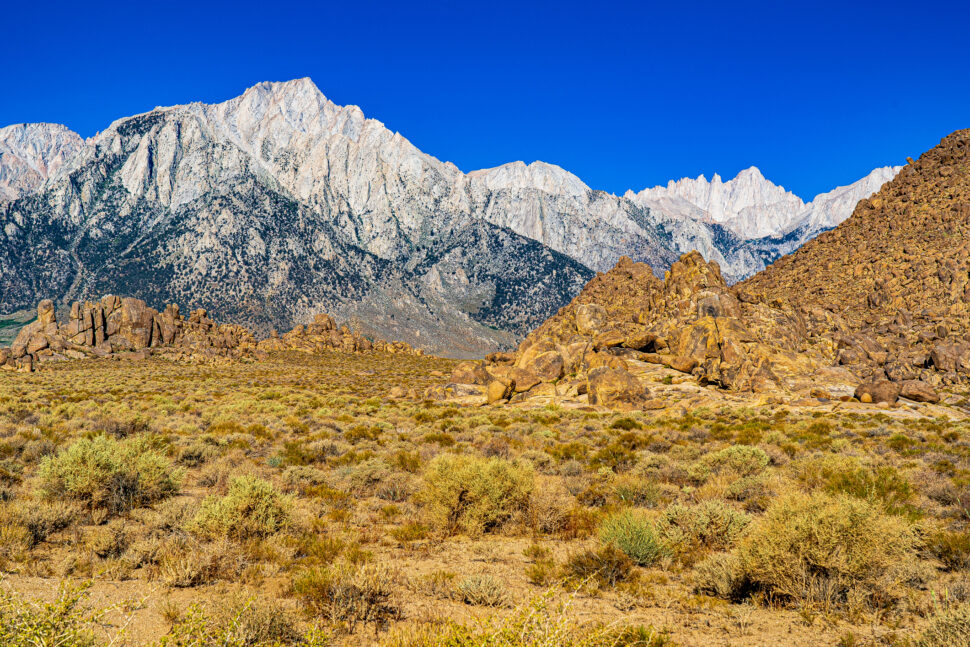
[752,207]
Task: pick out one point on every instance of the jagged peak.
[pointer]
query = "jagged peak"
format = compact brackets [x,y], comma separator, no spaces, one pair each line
[538,175]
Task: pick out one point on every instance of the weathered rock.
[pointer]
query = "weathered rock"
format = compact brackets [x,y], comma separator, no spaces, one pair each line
[499,391]
[548,366]
[918,391]
[523,378]
[615,388]
[681,363]
[500,358]
[469,373]
[878,391]
[45,313]
[951,355]
[590,317]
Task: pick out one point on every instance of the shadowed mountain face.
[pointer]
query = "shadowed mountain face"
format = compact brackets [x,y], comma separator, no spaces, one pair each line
[278,204]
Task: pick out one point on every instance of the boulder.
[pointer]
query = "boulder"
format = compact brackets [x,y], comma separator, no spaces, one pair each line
[498,391]
[45,313]
[609,339]
[918,391]
[590,317]
[615,387]
[500,358]
[878,391]
[951,356]
[523,378]
[37,342]
[548,366]
[469,373]
[681,363]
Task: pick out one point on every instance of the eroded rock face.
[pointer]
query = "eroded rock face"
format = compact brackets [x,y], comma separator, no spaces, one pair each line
[323,334]
[125,325]
[895,277]
[615,387]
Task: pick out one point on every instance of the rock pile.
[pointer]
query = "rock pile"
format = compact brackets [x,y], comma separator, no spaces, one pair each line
[691,322]
[116,325]
[122,325]
[323,334]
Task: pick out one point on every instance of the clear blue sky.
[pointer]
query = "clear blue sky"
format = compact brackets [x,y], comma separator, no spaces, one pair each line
[625,95]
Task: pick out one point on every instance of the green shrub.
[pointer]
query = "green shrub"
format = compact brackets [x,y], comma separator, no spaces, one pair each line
[711,524]
[251,508]
[848,475]
[720,575]
[952,548]
[832,550]
[634,535]
[739,460]
[104,473]
[482,590]
[951,628]
[475,495]
[625,424]
[37,519]
[63,622]
[237,623]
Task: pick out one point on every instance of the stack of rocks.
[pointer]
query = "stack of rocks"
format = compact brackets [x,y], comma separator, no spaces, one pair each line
[122,326]
[324,334]
[116,325]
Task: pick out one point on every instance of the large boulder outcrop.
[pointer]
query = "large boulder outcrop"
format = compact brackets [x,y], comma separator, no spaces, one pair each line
[116,324]
[615,387]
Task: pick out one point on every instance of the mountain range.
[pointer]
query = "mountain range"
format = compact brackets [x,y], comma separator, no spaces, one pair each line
[278,204]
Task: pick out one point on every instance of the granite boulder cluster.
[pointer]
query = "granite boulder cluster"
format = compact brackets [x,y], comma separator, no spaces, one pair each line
[127,327]
[324,334]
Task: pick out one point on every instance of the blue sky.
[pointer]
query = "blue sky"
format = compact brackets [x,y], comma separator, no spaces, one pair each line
[625,95]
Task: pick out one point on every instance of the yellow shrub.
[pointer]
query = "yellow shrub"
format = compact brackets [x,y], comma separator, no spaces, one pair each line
[831,550]
[475,495]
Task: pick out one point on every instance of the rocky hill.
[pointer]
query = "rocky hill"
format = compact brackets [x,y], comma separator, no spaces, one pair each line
[897,271]
[123,326]
[878,308]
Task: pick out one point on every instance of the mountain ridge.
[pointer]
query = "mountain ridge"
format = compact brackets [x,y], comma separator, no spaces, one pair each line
[299,205]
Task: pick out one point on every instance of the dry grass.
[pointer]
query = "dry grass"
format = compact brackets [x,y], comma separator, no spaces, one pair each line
[354,518]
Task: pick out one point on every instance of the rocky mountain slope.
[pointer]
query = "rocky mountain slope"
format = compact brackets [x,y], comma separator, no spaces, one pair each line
[271,207]
[29,153]
[897,272]
[279,203]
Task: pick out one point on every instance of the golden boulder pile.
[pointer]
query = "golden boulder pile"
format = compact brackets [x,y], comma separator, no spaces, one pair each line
[324,334]
[123,326]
